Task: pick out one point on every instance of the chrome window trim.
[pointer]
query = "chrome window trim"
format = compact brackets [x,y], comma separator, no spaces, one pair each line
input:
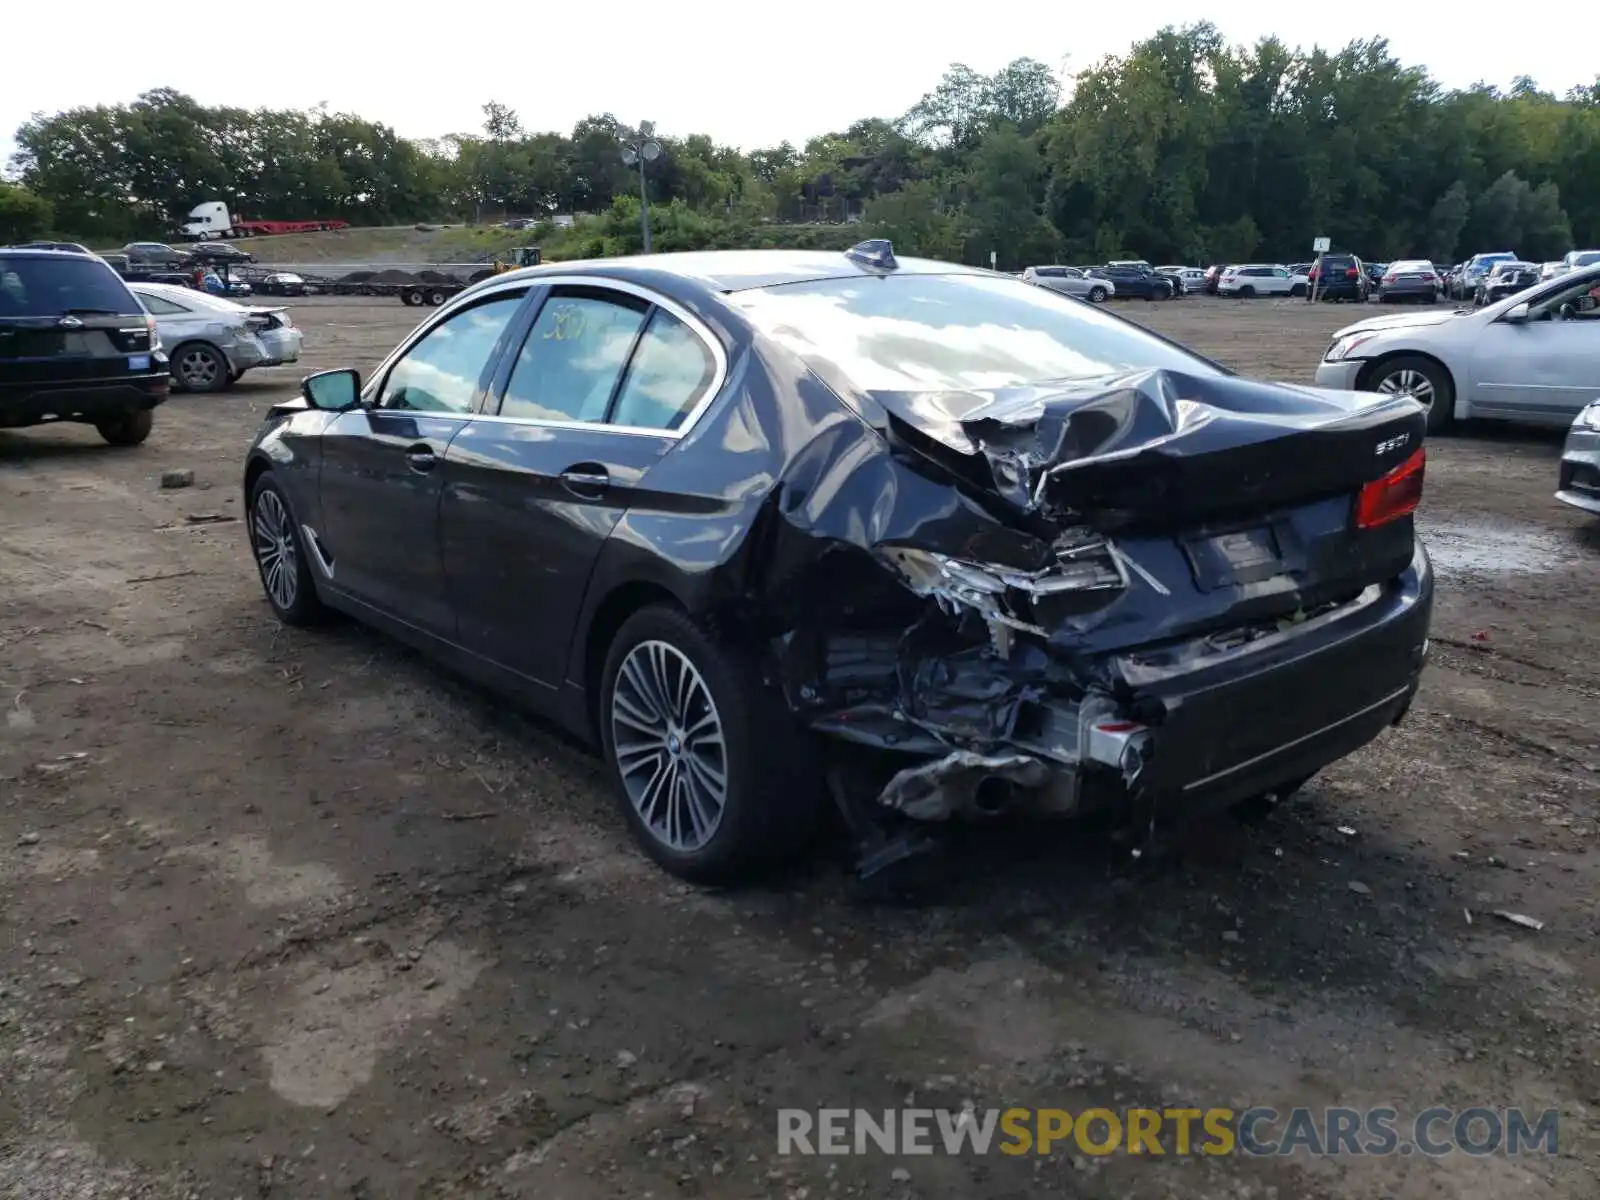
[719,355]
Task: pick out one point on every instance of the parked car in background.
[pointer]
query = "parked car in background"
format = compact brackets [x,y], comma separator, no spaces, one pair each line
[1135,283]
[1213,278]
[211,341]
[1261,279]
[1070,281]
[1550,270]
[75,345]
[1579,481]
[1474,270]
[1409,279]
[1302,268]
[1504,279]
[282,283]
[1375,272]
[1530,357]
[158,255]
[1338,277]
[1576,259]
[1188,279]
[574,482]
[220,253]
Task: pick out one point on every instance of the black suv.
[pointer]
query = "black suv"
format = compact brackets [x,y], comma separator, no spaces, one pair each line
[1140,282]
[75,345]
[1339,277]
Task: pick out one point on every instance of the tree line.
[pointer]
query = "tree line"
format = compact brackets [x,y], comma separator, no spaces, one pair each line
[1185,149]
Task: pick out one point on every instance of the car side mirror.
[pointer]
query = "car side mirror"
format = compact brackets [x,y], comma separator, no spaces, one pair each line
[332,391]
[1516,314]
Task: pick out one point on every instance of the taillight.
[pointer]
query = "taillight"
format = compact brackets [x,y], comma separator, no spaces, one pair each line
[1350,273]
[1389,278]
[1395,495]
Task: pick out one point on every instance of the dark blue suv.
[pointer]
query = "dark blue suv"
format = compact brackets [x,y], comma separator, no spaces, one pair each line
[76,345]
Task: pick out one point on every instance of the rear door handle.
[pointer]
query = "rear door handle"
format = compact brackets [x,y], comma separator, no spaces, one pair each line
[586,479]
[421,459]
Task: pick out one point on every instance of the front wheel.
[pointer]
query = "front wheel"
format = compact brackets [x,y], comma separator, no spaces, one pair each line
[706,761]
[128,430]
[1097,295]
[280,556]
[1298,291]
[1420,378]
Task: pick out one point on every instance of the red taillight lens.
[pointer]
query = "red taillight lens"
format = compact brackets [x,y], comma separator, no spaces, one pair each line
[1350,273]
[1395,495]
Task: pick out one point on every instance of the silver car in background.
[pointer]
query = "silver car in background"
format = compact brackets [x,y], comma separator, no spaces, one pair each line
[211,341]
[1580,462]
[1533,357]
[1070,281]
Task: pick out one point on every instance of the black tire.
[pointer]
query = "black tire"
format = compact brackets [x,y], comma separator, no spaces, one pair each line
[1097,295]
[1441,407]
[130,429]
[197,367]
[271,519]
[1298,291]
[771,791]
[1247,292]
[436,298]
[409,297]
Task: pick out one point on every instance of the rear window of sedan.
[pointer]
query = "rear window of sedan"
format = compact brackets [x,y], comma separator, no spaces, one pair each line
[953,332]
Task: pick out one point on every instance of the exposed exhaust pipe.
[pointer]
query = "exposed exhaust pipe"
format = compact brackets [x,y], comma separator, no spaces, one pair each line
[993,795]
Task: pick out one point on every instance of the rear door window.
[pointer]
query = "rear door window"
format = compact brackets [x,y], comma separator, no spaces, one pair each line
[667,377]
[57,286]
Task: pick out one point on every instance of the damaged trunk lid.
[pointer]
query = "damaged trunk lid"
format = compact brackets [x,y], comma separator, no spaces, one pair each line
[1213,504]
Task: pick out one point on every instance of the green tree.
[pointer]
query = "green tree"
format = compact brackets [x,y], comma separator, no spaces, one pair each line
[23,215]
[913,219]
[1004,216]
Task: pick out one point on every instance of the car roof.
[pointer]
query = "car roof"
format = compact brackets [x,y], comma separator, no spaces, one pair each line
[738,270]
[176,292]
[39,252]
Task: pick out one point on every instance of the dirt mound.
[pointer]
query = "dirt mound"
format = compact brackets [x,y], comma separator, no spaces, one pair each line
[436,277]
[391,276]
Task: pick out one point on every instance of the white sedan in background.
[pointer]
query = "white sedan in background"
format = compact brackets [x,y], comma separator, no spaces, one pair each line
[211,340]
[1533,357]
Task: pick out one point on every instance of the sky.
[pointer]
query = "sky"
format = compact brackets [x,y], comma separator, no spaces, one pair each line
[748,74]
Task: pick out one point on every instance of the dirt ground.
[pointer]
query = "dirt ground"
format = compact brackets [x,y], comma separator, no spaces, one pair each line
[299,915]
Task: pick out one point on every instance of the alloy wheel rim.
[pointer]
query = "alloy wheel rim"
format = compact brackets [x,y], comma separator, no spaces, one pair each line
[198,368]
[666,735]
[1408,382]
[276,555]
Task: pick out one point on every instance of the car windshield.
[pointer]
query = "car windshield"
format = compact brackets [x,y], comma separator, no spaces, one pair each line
[953,332]
[1587,260]
[64,284]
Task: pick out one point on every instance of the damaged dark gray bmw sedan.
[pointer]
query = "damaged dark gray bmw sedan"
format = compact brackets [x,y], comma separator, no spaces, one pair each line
[771,526]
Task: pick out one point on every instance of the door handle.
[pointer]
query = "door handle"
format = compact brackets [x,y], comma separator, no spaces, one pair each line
[421,459]
[586,479]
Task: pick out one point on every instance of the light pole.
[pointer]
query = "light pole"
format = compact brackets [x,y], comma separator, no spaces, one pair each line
[643,151]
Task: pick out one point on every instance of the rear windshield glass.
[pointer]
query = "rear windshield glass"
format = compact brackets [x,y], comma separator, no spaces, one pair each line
[47,286]
[953,332]
[1587,260]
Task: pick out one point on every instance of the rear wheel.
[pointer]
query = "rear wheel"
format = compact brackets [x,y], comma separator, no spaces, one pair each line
[1097,295]
[706,761]
[1420,378]
[1246,292]
[197,367]
[127,430]
[1298,290]
[435,298]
